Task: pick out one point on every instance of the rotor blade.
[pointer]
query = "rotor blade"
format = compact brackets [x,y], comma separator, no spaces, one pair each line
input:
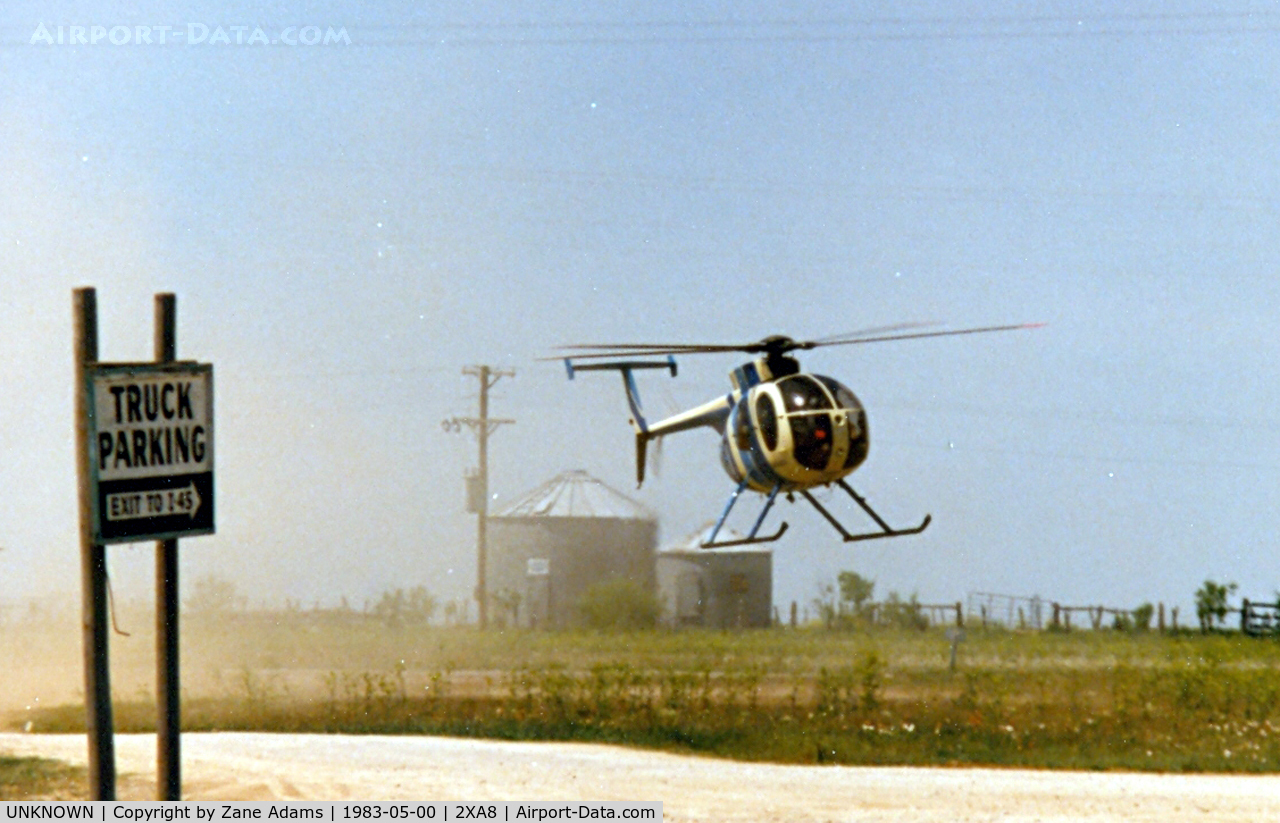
[840,338]
[919,335]
[644,347]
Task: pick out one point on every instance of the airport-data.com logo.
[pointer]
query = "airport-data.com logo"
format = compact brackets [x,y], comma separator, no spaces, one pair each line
[192,34]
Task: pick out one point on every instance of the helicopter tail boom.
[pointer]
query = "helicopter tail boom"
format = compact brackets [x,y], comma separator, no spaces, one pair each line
[713,413]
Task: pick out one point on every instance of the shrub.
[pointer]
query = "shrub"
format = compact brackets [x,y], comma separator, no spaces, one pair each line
[214,595]
[1142,617]
[398,607]
[618,603]
[1211,603]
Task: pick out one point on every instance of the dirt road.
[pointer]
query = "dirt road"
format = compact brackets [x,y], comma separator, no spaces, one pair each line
[323,767]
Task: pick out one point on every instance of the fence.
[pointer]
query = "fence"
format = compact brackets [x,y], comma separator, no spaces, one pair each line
[1007,610]
[1259,619]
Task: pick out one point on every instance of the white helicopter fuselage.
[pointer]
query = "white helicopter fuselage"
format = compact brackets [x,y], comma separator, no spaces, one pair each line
[781,429]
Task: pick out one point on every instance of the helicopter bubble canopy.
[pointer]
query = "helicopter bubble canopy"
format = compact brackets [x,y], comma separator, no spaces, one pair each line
[799,431]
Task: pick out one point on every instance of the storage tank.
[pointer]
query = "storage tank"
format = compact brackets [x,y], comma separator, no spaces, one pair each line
[557,541]
[717,588]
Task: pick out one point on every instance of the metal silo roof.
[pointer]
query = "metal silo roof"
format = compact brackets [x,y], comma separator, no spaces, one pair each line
[576,494]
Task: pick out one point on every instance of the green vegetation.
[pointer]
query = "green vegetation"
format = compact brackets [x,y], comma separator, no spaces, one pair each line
[34,778]
[1211,603]
[398,607]
[1084,699]
[618,604]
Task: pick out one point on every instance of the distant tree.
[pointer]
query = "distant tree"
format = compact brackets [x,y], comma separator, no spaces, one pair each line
[399,608]
[905,614]
[855,590]
[1142,617]
[212,594]
[619,603]
[1211,603]
[825,605]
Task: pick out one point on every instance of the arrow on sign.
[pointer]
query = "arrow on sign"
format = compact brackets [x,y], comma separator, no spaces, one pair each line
[159,503]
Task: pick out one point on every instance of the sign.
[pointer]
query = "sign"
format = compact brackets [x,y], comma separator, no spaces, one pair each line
[538,567]
[151,450]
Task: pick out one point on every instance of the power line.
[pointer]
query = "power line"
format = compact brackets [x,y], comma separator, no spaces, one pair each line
[478,484]
[871,29]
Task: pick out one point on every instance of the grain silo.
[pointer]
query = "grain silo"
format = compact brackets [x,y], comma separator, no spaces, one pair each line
[717,588]
[557,541]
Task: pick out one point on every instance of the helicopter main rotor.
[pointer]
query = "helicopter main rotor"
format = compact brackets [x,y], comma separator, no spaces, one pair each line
[774,346]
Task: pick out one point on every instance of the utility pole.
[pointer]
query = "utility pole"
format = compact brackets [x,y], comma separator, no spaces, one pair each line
[478,489]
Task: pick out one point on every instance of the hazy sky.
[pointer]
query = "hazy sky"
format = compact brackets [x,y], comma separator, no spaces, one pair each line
[347,226]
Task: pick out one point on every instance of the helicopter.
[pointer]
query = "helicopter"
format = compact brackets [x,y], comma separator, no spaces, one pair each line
[783,430]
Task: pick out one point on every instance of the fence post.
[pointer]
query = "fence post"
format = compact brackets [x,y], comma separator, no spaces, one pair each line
[1160,624]
[959,616]
[1244,617]
[1057,616]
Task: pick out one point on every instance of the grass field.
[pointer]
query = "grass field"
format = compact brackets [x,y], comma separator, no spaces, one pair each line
[1081,700]
[33,778]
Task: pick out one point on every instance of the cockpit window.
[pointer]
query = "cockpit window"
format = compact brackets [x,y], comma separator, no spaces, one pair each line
[813,439]
[742,425]
[800,394]
[767,418]
[844,398]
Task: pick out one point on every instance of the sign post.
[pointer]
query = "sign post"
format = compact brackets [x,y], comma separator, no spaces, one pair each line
[93,563]
[168,684]
[145,459]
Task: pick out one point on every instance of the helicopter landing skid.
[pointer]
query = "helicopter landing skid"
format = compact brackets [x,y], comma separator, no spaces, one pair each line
[750,538]
[866,507]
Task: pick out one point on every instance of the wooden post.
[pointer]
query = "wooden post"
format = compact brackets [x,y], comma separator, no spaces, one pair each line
[793,614]
[93,564]
[1244,617]
[168,691]
[1160,619]
[959,616]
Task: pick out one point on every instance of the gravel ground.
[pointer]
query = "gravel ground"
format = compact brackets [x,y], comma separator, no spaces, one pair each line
[235,766]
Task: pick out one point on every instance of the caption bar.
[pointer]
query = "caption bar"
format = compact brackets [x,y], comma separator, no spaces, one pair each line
[507,810]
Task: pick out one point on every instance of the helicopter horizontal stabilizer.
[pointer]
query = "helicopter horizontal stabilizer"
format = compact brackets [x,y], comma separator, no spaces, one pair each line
[620,365]
[643,434]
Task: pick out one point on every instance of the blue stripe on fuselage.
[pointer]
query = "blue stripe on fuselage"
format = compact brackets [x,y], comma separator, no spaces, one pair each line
[760,475]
